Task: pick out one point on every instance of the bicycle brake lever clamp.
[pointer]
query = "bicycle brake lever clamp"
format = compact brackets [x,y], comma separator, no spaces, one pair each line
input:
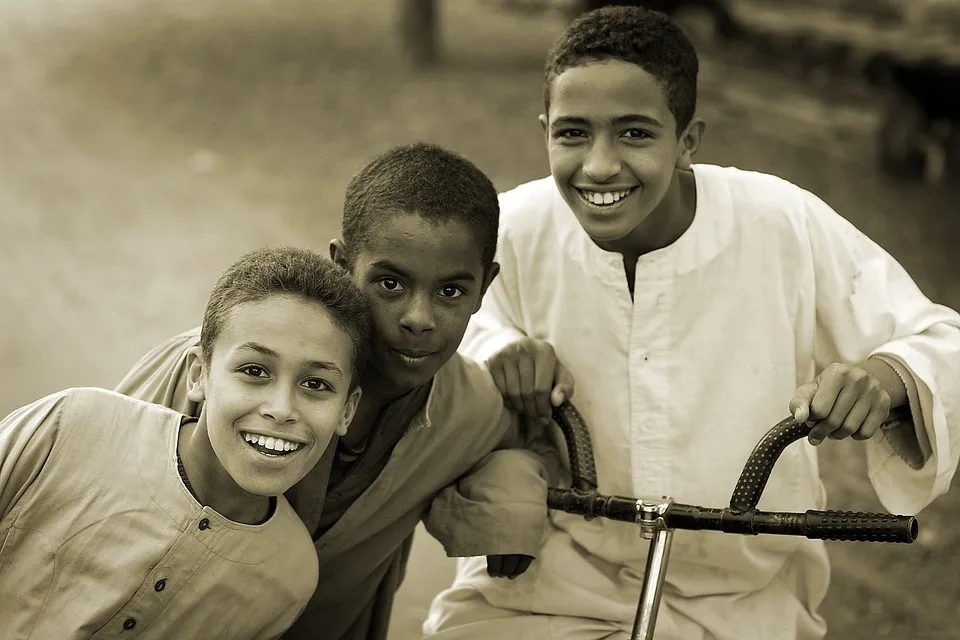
[650,516]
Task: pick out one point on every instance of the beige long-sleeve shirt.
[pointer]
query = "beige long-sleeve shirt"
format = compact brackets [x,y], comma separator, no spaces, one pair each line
[99,537]
[362,557]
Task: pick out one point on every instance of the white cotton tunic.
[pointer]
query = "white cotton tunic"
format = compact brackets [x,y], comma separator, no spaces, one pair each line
[767,286]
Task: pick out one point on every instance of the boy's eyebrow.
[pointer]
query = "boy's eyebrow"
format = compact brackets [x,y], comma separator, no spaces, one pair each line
[624,119]
[389,266]
[311,364]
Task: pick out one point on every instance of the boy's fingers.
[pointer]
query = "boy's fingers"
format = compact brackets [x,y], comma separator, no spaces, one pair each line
[511,379]
[830,408]
[563,385]
[829,386]
[544,379]
[871,424]
[819,432]
[853,421]
[820,405]
[500,380]
[800,404]
[527,374]
[509,569]
[841,407]
[524,564]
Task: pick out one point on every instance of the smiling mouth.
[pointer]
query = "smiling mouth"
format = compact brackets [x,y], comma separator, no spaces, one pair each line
[604,199]
[271,447]
[413,358]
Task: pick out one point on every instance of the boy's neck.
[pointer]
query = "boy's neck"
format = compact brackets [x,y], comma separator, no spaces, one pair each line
[377,393]
[210,483]
[665,224]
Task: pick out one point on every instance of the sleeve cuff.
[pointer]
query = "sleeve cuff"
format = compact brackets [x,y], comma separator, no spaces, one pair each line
[904,430]
[501,530]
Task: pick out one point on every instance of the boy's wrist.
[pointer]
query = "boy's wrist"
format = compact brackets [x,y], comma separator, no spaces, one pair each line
[885,372]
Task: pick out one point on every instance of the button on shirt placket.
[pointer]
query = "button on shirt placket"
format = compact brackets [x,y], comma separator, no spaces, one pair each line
[176,568]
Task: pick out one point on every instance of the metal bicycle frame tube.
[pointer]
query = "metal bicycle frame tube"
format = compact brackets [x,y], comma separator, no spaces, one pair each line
[653,528]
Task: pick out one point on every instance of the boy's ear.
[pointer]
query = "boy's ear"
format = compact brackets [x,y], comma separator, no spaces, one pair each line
[338,253]
[544,122]
[196,375]
[490,274]
[690,142]
[349,410]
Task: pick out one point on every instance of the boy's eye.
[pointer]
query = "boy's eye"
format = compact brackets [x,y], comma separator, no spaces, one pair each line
[451,292]
[316,384]
[253,370]
[390,284]
[571,133]
[637,134]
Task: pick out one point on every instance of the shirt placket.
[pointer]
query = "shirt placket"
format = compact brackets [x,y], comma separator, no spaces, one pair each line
[649,365]
[375,494]
[177,567]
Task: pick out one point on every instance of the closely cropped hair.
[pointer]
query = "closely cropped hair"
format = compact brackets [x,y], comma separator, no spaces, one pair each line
[290,271]
[423,179]
[648,39]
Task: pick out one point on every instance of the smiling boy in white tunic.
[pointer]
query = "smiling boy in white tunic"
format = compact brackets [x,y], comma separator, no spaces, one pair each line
[693,305]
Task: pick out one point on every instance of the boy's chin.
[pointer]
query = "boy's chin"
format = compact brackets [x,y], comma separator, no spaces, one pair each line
[268,489]
[410,380]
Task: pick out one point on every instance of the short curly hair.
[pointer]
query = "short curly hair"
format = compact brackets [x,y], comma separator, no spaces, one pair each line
[425,179]
[648,39]
[272,271]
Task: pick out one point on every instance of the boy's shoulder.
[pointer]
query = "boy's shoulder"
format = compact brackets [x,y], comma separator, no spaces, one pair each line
[529,193]
[749,190]
[101,407]
[756,203]
[530,205]
[463,389]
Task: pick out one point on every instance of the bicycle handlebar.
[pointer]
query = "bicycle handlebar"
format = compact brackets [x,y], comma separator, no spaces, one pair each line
[819,525]
[741,517]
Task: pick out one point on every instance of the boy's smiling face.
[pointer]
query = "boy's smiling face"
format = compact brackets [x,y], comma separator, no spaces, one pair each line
[424,280]
[276,390]
[613,145]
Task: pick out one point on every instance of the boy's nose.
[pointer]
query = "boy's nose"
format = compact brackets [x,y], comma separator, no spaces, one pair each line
[418,315]
[601,164]
[279,406]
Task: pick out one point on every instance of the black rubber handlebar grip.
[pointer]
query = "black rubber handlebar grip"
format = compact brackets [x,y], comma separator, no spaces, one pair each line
[579,446]
[753,478]
[591,504]
[861,527]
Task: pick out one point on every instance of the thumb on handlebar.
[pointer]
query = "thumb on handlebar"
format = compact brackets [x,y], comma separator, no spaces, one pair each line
[800,404]
[563,384]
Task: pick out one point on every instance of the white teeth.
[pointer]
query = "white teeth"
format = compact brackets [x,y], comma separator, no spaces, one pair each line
[277,444]
[605,198]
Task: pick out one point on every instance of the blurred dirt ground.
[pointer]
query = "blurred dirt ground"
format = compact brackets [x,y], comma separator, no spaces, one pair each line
[145,145]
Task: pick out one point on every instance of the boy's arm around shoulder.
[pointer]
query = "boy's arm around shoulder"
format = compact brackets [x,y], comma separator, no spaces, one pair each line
[160,376]
[869,308]
[27,437]
[499,505]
